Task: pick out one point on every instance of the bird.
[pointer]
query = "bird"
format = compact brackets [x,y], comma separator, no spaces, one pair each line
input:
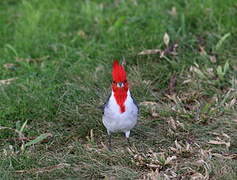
[120,111]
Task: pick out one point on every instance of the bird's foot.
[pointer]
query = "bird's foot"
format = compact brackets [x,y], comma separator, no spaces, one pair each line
[129,143]
[109,141]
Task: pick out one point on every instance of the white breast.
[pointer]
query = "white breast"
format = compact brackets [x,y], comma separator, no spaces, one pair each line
[114,120]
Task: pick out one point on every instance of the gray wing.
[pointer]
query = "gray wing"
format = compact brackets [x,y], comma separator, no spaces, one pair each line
[105,104]
[135,102]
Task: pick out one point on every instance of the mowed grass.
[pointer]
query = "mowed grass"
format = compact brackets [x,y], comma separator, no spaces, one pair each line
[59,54]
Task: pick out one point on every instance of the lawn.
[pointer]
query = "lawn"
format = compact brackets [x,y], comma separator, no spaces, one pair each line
[55,71]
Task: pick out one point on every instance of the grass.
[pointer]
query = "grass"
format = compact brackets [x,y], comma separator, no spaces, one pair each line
[60,54]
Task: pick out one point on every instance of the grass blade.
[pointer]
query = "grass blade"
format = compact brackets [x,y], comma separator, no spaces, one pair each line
[38,139]
[221,41]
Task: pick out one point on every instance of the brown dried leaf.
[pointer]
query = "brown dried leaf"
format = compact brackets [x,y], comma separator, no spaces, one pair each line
[205,153]
[179,124]
[162,54]
[187,81]
[82,34]
[187,147]
[154,114]
[153,166]
[170,50]
[171,97]
[212,59]
[153,175]
[197,71]
[200,162]
[173,11]
[99,68]
[215,133]
[232,102]
[178,146]
[226,135]
[197,176]
[172,123]
[202,50]
[173,149]
[169,159]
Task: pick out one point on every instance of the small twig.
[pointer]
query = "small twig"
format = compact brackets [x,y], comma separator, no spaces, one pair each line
[172,84]
[27,139]
[44,169]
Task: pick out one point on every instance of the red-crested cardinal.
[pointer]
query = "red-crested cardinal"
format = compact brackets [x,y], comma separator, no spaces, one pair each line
[120,110]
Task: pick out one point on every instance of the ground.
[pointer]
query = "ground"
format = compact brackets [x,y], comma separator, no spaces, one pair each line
[56,58]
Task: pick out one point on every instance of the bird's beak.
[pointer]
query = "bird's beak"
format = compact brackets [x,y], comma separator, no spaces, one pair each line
[120,85]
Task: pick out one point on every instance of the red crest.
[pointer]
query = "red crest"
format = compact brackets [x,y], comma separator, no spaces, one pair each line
[120,93]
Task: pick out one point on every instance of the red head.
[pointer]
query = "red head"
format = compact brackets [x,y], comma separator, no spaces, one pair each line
[119,85]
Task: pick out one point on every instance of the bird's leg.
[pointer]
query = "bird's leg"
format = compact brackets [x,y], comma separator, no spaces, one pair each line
[109,140]
[127,137]
[129,142]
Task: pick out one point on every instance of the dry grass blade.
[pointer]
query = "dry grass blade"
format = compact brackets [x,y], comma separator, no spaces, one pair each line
[151,160]
[221,139]
[153,175]
[196,176]
[7,81]
[10,66]
[212,59]
[82,34]
[38,139]
[26,139]
[202,50]
[152,106]
[166,39]
[124,61]
[44,169]
[150,51]
[169,159]
[32,60]
[170,50]
[172,123]
[225,156]
[220,142]
[148,103]
[173,11]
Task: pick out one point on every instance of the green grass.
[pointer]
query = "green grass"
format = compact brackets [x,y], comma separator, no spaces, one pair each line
[60,53]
